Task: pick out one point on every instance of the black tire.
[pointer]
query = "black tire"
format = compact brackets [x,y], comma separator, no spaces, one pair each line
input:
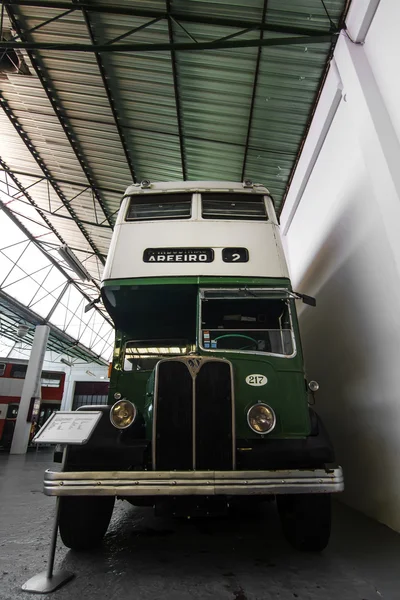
[84,520]
[306,520]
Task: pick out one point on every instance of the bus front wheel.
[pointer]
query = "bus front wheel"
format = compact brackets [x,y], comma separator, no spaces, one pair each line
[84,520]
[306,520]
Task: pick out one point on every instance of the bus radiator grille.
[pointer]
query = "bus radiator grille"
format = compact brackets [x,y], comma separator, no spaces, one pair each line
[213,408]
[173,432]
[194,422]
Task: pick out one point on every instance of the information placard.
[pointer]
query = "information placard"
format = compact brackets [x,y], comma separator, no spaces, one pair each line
[68,427]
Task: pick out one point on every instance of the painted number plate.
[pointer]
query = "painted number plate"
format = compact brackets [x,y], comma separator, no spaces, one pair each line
[235,255]
[256,379]
[68,427]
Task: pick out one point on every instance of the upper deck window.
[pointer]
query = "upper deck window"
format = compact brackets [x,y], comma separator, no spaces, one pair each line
[19,371]
[233,206]
[149,207]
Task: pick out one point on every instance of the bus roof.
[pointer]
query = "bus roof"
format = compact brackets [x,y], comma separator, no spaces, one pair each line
[195,186]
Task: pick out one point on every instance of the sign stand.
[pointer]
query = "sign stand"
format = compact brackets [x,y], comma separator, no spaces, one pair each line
[48,581]
[68,427]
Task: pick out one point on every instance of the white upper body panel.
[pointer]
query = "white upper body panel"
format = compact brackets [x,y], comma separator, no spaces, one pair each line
[131,238]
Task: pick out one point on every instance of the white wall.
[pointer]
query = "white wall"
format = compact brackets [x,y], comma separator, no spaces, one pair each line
[382,49]
[343,243]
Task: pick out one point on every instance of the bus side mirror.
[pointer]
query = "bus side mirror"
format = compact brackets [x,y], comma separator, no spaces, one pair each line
[308,300]
[91,304]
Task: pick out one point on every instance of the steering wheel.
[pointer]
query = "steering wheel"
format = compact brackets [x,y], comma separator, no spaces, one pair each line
[240,335]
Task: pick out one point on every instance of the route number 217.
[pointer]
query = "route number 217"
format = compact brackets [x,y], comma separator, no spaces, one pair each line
[256,379]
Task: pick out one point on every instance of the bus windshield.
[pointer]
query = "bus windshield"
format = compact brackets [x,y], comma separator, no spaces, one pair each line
[246,323]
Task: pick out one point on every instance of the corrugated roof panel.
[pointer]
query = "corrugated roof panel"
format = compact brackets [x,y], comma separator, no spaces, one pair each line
[159,158]
[211,82]
[214,89]
[139,4]
[208,96]
[211,160]
[45,133]
[235,9]
[145,98]
[215,92]
[288,80]
[86,98]
[309,14]
[113,201]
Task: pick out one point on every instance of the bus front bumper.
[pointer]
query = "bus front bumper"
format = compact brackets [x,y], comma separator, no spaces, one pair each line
[193,483]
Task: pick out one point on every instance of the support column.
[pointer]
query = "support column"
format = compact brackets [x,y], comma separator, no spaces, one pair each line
[68,396]
[30,390]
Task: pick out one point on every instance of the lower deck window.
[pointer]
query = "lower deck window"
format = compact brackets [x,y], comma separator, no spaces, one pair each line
[250,325]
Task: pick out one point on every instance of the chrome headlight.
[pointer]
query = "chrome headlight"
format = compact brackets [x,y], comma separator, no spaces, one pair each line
[261,418]
[122,414]
[313,386]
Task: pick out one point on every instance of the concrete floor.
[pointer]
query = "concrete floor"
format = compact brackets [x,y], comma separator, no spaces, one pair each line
[148,558]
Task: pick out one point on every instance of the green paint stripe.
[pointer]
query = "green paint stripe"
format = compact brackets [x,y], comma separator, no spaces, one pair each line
[267,281]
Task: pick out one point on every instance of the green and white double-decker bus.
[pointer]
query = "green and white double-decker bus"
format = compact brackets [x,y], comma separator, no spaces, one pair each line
[208,400]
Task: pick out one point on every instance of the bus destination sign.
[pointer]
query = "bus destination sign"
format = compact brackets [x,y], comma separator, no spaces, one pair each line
[181,255]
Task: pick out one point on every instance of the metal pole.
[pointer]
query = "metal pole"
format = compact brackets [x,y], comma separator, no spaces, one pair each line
[53,542]
[48,581]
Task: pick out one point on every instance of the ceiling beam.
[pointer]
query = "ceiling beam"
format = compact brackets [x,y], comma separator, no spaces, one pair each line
[205,19]
[39,68]
[168,47]
[176,92]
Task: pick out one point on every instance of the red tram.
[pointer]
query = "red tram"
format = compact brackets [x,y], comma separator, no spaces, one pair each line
[12,375]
